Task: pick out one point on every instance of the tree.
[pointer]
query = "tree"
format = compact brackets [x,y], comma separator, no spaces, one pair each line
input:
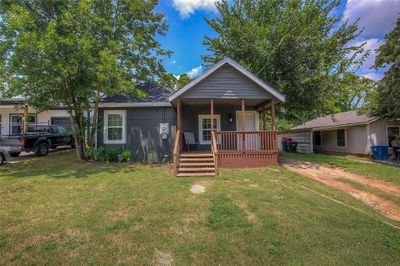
[301,48]
[352,93]
[72,52]
[385,102]
[170,81]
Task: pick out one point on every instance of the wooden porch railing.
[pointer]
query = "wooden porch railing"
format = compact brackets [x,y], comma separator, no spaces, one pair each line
[214,151]
[246,149]
[250,141]
[177,151]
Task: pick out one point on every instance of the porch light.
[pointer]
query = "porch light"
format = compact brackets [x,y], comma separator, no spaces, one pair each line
[230,118]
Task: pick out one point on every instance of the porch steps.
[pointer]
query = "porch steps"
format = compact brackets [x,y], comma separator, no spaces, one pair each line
[196,164]
[195,174]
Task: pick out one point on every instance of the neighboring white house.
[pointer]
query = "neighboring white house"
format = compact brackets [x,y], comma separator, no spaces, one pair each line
[346,132]
[11,117]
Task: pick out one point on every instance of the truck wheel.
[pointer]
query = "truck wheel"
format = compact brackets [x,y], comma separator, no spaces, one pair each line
[42,149]
[14,154]
[2,158]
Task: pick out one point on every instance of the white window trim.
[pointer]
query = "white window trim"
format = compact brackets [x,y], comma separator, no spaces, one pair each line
[256,119]
[200,128]
[345,138]
[105,132]
[387,133]
[320,132]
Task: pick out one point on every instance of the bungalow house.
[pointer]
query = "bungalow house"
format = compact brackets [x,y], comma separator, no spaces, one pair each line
[215,116]
[12,112]
[347,132]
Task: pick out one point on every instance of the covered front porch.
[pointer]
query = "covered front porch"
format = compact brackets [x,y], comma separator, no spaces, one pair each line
[222,121]
[234,132]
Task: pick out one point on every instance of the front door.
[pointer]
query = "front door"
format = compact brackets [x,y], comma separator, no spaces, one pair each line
[252,125]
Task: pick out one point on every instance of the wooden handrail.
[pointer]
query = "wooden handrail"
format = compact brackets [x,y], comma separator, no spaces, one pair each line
[254,141]
[177,151]
[214,151]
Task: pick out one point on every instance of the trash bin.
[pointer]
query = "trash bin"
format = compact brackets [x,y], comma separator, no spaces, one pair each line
[285,144]
[293,146]
[380,152]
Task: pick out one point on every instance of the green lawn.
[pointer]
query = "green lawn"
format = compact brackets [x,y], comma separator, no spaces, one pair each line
[352,164]
[57,211]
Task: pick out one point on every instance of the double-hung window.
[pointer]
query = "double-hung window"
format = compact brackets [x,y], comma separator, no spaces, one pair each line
[16,123]
[114,126]
[205,127]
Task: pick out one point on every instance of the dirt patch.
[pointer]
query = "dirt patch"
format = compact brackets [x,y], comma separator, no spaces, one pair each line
[163,258]
[329,176]
[250,216]
[198,189]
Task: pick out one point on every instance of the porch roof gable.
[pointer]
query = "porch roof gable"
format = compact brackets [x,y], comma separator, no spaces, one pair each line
[228,61]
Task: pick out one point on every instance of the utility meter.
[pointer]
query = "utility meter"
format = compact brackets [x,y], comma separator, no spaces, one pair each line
[164,130]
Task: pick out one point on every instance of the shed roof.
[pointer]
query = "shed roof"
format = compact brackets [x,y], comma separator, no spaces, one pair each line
[350,118]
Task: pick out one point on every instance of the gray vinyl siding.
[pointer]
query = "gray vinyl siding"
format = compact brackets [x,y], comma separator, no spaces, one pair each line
[142,132]
[227,83]
[303,139]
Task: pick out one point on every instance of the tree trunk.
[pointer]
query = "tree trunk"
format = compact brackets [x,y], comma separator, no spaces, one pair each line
[78,128]
[94,124]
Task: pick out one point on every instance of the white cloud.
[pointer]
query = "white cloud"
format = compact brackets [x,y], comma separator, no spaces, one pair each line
[373,75]
[372,45]
[173,62]
[189,7]
[378,17]
[195,72]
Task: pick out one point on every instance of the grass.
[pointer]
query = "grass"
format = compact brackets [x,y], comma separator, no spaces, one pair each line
[57,211]
[356,165]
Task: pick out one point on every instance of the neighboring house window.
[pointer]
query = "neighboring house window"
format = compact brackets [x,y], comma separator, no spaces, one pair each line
[317,138]
[341,138]
[392,132]
[205,127]
[114,127]
[16,123]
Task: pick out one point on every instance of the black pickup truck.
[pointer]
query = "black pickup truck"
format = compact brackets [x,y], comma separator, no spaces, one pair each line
[39,140]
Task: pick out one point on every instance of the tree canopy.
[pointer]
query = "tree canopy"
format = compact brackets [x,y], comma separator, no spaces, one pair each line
[173,82]
[69,52]
[386,101]
[302,48]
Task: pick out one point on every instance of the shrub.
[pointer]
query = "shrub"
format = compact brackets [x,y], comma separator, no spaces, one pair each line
[127,155]
[98,154]
[112,154]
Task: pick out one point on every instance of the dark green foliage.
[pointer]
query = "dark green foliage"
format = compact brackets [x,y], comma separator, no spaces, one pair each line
[386,101]
[112,154]
[299,47]
[96,154]
[71,52]
[170,81]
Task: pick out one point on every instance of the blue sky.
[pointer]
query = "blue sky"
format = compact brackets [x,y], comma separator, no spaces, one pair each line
[187,29]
